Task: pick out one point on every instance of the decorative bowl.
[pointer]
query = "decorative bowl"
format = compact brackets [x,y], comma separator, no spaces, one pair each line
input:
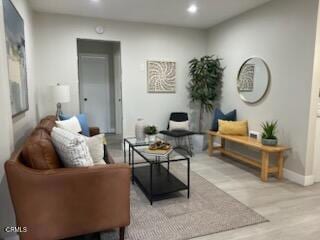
[160,145]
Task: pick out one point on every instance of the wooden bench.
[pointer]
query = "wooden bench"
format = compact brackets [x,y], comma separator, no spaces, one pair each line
[253,143]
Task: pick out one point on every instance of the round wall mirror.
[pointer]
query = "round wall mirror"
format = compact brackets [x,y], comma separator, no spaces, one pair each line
[253,80]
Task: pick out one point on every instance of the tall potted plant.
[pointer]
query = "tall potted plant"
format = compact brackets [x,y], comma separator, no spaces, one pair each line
[204,87]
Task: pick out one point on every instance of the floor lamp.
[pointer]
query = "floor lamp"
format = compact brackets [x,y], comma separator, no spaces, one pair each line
[61,94]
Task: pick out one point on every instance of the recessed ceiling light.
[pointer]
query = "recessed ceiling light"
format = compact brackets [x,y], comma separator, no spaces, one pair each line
[192,9]
[95,1]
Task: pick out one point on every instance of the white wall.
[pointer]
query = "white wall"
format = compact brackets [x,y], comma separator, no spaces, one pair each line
[14,131]
[316,156]
[56,56]
[313,150]
[283,34]
[23,124]
[6,140]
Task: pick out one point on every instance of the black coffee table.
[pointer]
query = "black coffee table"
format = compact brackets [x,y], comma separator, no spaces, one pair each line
[153,174]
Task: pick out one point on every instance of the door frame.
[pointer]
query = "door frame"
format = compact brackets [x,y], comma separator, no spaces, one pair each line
[106,58]
[120,73]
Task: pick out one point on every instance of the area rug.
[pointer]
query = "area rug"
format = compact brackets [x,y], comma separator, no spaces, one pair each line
[208,210]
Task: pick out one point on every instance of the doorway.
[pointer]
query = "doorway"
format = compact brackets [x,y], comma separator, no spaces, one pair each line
[99,64]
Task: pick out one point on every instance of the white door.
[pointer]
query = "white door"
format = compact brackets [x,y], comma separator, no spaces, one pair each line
[95,91]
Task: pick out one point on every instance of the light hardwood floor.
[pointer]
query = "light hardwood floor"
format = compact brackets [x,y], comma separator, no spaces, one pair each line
[293,211]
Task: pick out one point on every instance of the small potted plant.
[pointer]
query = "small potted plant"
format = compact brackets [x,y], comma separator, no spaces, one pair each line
[269,133]
[151,132]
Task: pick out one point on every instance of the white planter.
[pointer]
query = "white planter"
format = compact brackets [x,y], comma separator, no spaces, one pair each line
[199,142]
[151,138]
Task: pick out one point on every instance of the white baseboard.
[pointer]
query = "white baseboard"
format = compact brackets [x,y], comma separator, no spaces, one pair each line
[298,178]
[317,179]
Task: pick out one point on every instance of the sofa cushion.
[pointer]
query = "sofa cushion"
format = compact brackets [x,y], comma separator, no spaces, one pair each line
[177,133]
[71,125]
[173,125]
[72,148]
[47,123]
[85,130]
[39,133]
[219,115]
[96,148]
[233,127]
[38,151]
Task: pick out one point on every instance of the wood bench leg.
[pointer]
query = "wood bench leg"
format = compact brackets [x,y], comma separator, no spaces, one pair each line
[223,145]
[210,144]
[280,166]
[264,166]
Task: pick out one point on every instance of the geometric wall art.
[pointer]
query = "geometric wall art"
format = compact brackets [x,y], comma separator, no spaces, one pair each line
[16,56]
[246,78]
[161,77]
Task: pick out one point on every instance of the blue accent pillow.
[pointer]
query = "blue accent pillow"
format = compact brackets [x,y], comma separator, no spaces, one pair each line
[219,115]
[82,120]
[64,116]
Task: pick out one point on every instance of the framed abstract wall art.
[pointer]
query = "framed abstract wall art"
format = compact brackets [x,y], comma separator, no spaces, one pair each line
[161,77]
[16,56]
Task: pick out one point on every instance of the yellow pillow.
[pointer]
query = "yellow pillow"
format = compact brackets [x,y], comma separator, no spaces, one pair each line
[233,127]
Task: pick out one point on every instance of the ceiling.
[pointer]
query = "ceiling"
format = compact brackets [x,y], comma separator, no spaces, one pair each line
[168,12]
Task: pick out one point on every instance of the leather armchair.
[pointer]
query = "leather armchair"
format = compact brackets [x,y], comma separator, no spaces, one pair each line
[94,131]
[64,202]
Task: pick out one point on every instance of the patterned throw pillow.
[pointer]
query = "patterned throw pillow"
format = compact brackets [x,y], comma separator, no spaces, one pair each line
[71,148]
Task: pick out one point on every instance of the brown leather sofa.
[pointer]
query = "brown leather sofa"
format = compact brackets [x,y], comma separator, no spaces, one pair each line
[53,202]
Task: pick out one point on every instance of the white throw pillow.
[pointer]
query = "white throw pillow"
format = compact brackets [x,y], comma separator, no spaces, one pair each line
[96,148]
[173,125]
[72,148]
[72,125]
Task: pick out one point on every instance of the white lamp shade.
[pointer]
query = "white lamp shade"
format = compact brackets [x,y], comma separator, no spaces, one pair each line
[61,93]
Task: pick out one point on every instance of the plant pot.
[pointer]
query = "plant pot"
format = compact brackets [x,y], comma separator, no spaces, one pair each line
[199,142]
[151,138]
[269,142]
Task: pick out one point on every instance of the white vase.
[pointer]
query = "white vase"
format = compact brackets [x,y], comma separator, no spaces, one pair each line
[139,130]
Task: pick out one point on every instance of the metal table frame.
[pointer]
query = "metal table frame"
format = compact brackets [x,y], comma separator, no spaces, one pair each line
[158,161]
